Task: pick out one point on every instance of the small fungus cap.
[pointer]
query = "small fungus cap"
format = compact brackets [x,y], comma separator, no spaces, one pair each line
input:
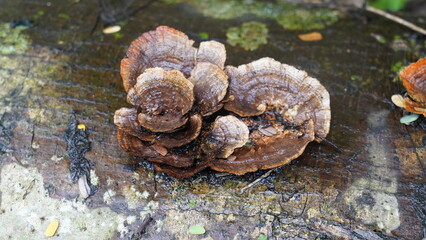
[227,134]
[268,151]
[210,87]
[414,80]
[164,47]
[163,97]
[144,149]
[127,120]
[212,52]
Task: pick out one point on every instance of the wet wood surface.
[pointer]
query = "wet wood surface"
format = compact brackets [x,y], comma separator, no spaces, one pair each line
[371,187]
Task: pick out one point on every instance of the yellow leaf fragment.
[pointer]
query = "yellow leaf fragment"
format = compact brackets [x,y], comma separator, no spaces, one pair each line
[51,229]
[81,126]
[111,29]
[308,37]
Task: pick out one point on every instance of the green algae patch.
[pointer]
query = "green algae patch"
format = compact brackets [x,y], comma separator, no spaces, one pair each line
[221,9]
[360,80]
[288,15]
[196,230]
[249,36]
[12,41]
[26,79]
[262,237]
[307,19]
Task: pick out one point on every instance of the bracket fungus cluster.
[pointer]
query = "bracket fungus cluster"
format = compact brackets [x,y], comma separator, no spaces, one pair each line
[414,80]
[190,112]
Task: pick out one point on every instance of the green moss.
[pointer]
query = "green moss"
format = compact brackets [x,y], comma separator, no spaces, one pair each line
[221,9]
[122,23]
[288,15]
[31,78]
[192,203]
[306,19]
[11,40]
[398,66]
[203,35]
[38,14]
[249,36]
[118,35]
[64,16]
[356,78]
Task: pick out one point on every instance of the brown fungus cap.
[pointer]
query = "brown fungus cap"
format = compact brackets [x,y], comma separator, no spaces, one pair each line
[182,136]
[227,134]
[260,153]
[183,172]
[140,148]
[414,80]
[267,152]
[126,120]
[266,83]
[212,52]
[163,97]
[164,47]
[210,87]
[272,110]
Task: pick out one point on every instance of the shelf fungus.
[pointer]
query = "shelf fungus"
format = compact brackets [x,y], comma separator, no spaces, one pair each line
[414,80]
[190,112]
[226,134]
[164,47]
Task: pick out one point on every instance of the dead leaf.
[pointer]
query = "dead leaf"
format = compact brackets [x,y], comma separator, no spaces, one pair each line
[83,187]
[308,37]
[111,29]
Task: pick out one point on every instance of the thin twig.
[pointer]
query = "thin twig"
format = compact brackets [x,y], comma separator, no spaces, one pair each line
[330,143]
[396,19]
[32,137]
[98,17]
[29,188]
[304,205]
[257,180]
[354,156]
[142,227]
[155,180]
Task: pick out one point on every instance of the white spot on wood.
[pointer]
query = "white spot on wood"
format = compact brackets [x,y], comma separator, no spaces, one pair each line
[373,196]
[32,214]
